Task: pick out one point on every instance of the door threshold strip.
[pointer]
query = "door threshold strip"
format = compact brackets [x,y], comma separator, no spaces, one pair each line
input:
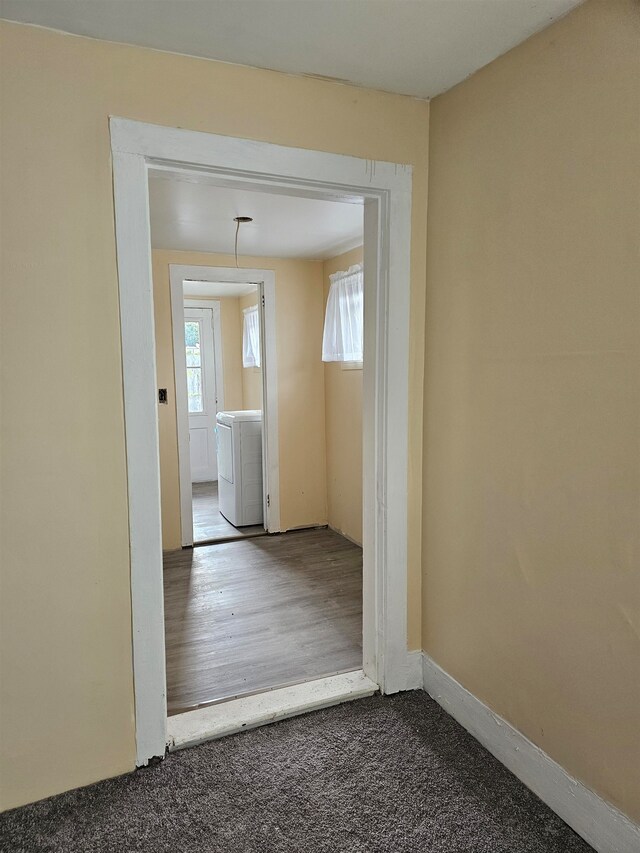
[243,694]
[238,537]
[249,712]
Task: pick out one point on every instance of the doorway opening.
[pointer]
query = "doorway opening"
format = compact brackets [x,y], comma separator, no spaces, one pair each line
[384,192]
[222,368]
[222,508]
[262,616]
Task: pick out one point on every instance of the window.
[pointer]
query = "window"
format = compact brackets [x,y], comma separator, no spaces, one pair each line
[192,337]
[344,318]
[251,337]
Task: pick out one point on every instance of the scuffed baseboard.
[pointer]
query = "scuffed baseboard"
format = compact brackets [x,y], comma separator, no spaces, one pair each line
[413,677]
[598,822]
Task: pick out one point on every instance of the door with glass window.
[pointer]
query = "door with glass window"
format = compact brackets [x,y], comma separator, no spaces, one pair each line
[201,393]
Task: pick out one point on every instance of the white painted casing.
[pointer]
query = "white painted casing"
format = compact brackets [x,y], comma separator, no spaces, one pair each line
[385,191]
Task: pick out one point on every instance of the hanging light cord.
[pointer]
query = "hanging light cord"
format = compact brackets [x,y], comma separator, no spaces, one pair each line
[239,220]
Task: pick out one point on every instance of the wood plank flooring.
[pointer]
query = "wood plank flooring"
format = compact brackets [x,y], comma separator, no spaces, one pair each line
[260,613]
[208,523]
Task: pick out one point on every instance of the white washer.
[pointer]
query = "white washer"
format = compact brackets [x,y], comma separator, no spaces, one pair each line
[240,466]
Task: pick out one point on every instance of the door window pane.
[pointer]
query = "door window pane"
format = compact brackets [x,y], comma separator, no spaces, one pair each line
[194,366]
[192,343]
[194,389]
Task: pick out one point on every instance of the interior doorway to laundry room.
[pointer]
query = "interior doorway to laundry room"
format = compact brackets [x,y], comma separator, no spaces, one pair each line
[220,396]
[223,507]
[260,437]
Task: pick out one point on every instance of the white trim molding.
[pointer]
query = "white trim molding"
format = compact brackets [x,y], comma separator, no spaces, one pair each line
[413,676]
[605,828]
[133,231]
[384,190]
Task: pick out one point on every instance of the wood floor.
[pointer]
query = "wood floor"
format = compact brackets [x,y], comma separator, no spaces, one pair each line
[254,614]
[208,523]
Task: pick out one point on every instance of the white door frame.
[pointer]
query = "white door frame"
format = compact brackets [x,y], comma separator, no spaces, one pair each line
[265,280]
[385,190]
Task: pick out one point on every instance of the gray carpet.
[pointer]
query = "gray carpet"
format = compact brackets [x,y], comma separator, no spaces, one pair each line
[382,774]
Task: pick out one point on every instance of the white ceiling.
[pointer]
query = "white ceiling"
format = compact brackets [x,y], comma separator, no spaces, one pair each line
[209,289]
[413,47]
[193,216]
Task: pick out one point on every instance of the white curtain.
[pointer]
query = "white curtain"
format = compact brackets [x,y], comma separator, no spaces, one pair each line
[251,337]
[344,318]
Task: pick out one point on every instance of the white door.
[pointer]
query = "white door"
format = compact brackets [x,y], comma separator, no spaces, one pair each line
[201,393]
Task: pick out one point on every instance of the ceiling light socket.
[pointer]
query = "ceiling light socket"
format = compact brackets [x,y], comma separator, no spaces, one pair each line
[239,219]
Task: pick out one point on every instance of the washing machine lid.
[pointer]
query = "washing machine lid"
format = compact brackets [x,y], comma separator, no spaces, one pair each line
[229,418]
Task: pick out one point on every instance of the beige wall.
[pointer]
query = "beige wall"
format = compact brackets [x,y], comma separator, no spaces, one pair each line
[231,333]
[530,549]
[252,376]
[532,462]
[326,400]
[67,701]
[299,323]
[343,418]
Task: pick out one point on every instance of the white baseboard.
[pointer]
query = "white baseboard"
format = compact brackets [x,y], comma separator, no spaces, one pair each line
[345,535]
[599,823]
[413,679]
